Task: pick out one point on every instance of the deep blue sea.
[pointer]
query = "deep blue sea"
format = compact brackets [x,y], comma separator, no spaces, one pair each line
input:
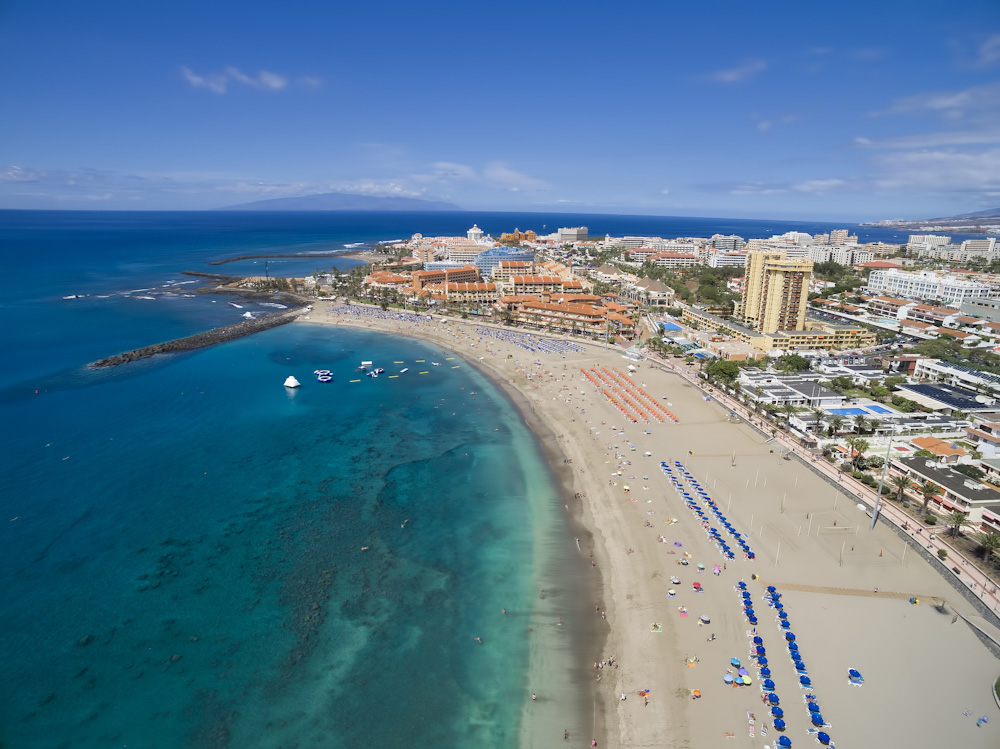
[181,539]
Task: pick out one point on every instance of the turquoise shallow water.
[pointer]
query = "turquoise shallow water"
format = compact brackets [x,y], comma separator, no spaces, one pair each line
[185,566]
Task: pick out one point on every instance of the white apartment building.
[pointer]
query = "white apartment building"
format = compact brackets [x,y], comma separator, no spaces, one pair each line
[844,255]
[729,243]
[925,285]
[932,240]
[727,259]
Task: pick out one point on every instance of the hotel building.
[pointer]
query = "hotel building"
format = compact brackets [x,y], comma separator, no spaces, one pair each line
[775,293]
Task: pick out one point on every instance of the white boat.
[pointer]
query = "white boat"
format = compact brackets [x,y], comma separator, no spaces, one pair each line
[237,306]
[404,369]
[291,382]
[436,364]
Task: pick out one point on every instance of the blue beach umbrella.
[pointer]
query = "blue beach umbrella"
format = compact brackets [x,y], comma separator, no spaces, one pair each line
[777,712]
[779,724]
[765,673]
[805,681]
[734,662]
[768,684]
[782,615]
[762,661]
[813,707]
[817,720]
[790,636]
[793,646]
[771,589]
[760,650]
[773,698]
[758,640]
[752,620]
[784,742]
[800,667]
[823,737]
[728,678]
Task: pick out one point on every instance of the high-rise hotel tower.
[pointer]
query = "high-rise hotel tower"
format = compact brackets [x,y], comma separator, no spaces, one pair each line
[775,292]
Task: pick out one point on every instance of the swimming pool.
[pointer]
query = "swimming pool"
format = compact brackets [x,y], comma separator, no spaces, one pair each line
[860,411]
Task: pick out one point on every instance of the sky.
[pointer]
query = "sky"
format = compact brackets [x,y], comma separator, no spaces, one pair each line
[848,111]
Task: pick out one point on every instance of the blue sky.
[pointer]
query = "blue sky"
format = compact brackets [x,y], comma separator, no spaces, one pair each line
[840,111]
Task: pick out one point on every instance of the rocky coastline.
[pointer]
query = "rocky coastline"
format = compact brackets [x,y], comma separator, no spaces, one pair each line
[201,340]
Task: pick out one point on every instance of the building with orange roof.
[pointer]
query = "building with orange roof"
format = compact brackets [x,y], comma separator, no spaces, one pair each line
[464,292]
[467,273]
[534,284]
[945,452]
[507,268]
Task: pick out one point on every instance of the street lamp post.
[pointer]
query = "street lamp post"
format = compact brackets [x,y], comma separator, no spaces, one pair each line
[881,481]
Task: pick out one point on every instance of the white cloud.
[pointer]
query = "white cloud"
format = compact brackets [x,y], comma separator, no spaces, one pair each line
[746,69]
[935,140]
[757,188]
[808,187]
[498,174]
[265,80]
[15,173]
[763,126]
[820,186]
[940,171]
[213,82]
[989,51]
[953,104]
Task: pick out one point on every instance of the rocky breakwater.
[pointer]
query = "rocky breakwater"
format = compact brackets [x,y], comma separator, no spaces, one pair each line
[200,340]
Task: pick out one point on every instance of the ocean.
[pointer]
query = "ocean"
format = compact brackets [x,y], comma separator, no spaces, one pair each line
[193,556]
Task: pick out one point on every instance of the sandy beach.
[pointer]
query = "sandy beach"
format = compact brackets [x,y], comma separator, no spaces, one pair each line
[846,589]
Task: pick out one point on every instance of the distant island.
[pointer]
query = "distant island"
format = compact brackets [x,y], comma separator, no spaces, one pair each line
[342,201]
[980,222]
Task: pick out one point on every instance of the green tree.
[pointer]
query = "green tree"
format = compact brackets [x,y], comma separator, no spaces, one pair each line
[860,424]
[900,484]
[792,363]
[726,371]
[929,490]
[956,521]
[857,447]
[988,543]
[836,424]
[841,384]
[818,415]
[789,410]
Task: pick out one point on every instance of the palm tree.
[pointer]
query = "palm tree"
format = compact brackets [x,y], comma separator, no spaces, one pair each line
[857,447]
[929,489]
[900,484]
[789,410]
[836,424]
[989,543]
[873,425]
[956,521]
[860,424]
[818,414]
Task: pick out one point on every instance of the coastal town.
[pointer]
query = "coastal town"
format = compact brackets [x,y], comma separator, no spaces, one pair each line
[873,367]
[856,352]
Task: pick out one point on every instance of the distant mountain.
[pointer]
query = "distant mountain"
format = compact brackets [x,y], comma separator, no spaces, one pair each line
[979,222]
[992,213]
[342,201]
